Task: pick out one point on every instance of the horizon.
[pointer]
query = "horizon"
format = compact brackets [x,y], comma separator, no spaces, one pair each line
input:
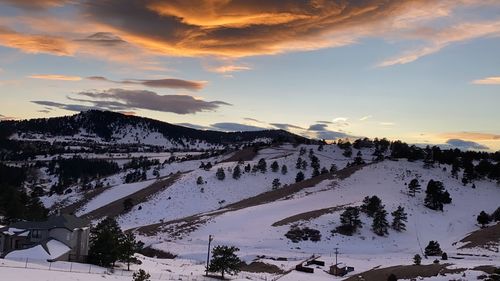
[423,72]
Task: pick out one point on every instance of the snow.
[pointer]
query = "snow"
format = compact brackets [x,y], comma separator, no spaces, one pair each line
[112,194]
[56,249]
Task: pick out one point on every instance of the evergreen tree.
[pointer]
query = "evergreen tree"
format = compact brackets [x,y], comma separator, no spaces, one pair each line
[414,187]
[141,275]
[275,167]
[455,168]
[417,259]
[220,174]
[483,219]
[333,168]
[399,219]
[262,165]
[105,241]
[299,177]
[284,169]
[298,165]
[224,260]
[433,249]
[200,181]
[358,160]
[324,170]
[248,168]
[315,173]
[444,256]
[315,162]
[347,152]
[350,221]
[380,224]
[236,172]
[371,205]
[276,183]
[128,247]
[436,195]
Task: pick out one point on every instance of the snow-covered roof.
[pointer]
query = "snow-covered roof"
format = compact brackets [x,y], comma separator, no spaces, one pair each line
[53,249]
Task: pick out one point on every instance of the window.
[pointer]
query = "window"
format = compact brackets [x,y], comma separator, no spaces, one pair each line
[36,233]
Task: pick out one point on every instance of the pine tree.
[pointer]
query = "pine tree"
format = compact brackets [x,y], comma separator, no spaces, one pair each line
[304,165]
[128,247]
[380,224]
[436,195]
[315,162]
[200,181]
[276,183]
[433,249]
[414,187]
[417,259]
[399,219]
[483,219]
[284,169]
[224,260]
[299,177]
[220,174]
[358,160]
[350,221]
[275,167]
[248,168]
[324,170]
[141,275]
[315,172]
[262,165]
[236,172]
[105,241]
[333,168]
[298,165]
[371,205]
[444,256]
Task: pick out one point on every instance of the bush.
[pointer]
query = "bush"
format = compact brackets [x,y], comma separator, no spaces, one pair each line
[433,249]
[297,234]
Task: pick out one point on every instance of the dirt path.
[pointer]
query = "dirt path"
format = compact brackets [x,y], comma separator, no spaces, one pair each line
[403,272]
[183,226]
[309,215]
[486,238]
[246,154]
[115,208]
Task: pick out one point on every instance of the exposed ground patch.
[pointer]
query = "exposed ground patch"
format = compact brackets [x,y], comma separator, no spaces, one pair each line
[115,208]
[309,215]
[403,272]
[486,238]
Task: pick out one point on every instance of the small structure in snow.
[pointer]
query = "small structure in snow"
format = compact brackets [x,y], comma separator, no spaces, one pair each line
[340,269]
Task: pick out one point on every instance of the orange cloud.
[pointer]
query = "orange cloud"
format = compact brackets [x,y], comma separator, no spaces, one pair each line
[474,136]
[34,43]
[55,77]
[229,68]
[494,80]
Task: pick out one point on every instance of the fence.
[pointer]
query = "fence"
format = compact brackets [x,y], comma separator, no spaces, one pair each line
[93,269]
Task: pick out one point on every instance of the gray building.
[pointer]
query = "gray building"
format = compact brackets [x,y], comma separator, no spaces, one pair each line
[63,237]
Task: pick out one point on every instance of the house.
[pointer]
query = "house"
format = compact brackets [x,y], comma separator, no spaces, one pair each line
[62,237]
[340,269]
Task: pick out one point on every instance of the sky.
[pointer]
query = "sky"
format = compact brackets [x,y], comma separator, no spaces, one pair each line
[423,71]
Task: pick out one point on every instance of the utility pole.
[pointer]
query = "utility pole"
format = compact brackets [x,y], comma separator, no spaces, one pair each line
[210,238]
[336,254]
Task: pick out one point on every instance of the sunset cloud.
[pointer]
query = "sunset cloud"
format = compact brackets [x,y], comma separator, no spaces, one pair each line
[157,83]
[55,77]
[35,43]
[474,136]
[229,68]
[130,100]
[493,80]
[466,145]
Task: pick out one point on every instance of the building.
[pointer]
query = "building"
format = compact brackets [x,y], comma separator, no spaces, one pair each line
[340,269]
[63,237]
